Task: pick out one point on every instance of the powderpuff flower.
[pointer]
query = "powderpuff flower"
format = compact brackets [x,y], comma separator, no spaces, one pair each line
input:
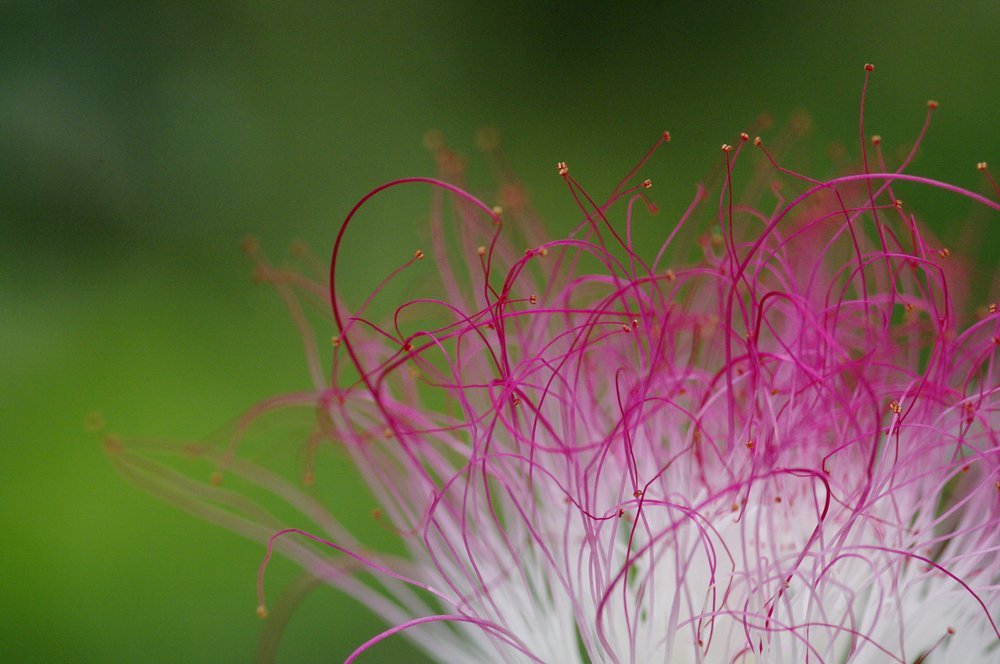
[772,437]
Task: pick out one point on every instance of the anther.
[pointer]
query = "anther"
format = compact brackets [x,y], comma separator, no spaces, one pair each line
[944,252]
[533,299]
[895,407]
[335,341]
[93,422]
[481,250]
[637,493]
[931,104]
[666,136]
[648,184]
[876,139]
[377,514]
[407,346]
[249,244]
[544,251]
[909,307]
[744,136]
[418,254]
[749,444]
[562,168]
[898,203]
[434,140]
[262,611]
[635,323]
[497,210]
[757,141]
[982,165]
[992,308]
[112,444]
[726,147]
[777,499]
[626,328]
[951,631]
[669,275]
[869,66]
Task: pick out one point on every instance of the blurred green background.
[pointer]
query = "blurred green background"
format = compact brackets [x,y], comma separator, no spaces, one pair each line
[139,142]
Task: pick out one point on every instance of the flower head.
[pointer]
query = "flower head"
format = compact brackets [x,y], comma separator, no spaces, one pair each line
[770,438]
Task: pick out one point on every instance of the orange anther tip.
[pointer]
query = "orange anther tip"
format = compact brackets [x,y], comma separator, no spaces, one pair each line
[112,444]
[869,66]
[418,254]
[262,611]
[543,251]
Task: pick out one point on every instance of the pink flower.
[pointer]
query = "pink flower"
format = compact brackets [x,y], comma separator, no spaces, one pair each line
[771,438]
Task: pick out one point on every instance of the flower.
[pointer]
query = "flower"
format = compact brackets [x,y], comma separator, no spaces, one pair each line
[772,438]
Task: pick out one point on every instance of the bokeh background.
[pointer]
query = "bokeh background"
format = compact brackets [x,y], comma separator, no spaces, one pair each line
[139,142]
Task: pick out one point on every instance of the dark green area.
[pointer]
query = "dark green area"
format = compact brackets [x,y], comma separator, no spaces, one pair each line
[139,142]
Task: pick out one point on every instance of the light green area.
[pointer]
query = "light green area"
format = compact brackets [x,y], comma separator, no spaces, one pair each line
[139,143]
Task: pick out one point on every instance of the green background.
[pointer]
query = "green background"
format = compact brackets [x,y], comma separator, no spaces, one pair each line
[139,142]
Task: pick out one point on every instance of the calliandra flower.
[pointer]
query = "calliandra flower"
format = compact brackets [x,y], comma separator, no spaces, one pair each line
[771,438]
